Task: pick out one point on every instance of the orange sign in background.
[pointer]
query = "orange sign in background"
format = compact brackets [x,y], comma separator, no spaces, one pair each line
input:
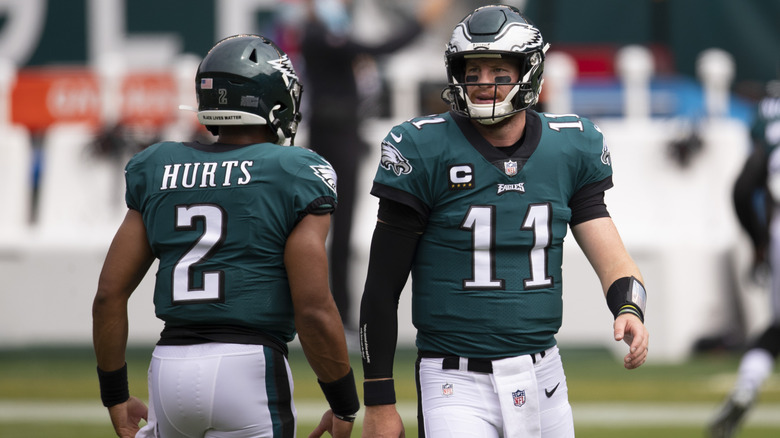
[46,96]
[150,99]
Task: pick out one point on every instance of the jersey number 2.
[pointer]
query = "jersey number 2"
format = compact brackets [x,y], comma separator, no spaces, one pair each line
[480,220]
[212,289]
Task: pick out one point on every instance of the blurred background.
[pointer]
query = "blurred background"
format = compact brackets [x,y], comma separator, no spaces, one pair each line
[84,84]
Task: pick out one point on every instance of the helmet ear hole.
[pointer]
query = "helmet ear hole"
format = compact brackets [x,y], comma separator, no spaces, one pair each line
[253,56]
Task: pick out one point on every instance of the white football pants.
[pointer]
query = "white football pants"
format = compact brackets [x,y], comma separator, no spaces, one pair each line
[219,390]
[519,398]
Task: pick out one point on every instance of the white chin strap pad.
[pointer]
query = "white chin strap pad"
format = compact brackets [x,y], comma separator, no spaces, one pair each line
[492,113]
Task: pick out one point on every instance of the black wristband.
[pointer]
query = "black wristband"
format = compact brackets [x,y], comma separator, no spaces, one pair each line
[379,392]
[114,388]
[627,295]
[342,396]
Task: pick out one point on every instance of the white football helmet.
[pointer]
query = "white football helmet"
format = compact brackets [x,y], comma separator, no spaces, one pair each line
[492,31]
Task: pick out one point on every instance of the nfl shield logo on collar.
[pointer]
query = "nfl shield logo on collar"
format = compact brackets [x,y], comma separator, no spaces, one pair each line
[510,167]
[519,397]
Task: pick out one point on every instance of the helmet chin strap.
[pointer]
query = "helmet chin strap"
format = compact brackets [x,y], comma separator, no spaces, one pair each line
[491,113]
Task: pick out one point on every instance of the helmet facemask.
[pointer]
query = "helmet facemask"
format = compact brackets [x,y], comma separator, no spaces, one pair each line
[283,120]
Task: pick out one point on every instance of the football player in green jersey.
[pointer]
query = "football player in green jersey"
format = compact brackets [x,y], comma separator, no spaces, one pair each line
[760,174]
[239,230]
[476,203]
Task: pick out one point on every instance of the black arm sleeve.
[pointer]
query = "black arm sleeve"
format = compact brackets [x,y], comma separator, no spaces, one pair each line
[752,178]
[391,257]
[588,203]
[402,216]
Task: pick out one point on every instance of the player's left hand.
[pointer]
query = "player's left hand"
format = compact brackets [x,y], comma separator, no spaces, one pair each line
[126,416]
[629,328]
[335,427]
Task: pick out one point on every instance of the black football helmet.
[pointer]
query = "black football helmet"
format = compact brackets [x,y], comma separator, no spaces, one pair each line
[248,80]
[495,31]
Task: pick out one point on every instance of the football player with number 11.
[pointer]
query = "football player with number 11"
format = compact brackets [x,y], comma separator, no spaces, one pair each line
[476,203]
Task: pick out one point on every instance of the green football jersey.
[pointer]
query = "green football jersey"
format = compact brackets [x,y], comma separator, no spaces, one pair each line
[486,280]
[217,217]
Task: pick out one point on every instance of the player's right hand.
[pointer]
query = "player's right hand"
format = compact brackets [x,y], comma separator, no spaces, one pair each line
[126,416]
[335,427]
[383,421]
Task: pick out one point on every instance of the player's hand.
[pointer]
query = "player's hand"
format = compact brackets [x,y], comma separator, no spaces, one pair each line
[383,421]
[335,427]
[629,328]
[126,416]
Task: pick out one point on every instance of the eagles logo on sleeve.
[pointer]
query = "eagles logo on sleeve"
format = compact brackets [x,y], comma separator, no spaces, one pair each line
[393,160]
[606,157]
[326,174]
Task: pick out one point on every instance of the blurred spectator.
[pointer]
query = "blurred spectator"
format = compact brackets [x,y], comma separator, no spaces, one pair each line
[332,57]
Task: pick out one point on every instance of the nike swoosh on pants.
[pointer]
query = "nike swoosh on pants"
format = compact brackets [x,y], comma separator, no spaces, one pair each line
[549,393]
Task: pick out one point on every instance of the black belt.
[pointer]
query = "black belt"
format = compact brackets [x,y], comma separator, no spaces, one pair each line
[475,365]
[450,362]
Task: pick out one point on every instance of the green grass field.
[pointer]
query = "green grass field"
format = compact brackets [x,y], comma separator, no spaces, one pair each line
[52,393]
